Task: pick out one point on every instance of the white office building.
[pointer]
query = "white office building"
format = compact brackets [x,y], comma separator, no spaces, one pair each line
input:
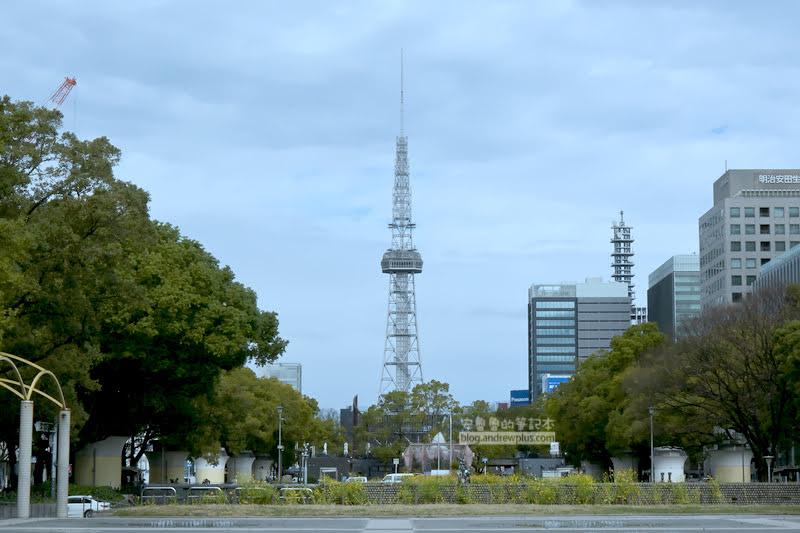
[755,218]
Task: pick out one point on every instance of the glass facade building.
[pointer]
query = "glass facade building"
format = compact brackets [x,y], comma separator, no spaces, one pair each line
[570,322]
[288,373]
[673,296]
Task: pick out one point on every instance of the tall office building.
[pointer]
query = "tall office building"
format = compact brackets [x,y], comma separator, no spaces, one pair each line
[756,217]
[673,296]
[288,373]
[569,322]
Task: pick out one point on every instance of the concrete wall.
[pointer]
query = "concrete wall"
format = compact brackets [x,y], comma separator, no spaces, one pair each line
[669,465]
[240,467]
[730,465]
[205,469]
[100,463]
[169,466]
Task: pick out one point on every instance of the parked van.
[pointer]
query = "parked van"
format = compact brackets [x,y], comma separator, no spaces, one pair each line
[395,478]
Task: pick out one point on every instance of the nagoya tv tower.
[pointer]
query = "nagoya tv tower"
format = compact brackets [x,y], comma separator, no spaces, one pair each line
[402,368]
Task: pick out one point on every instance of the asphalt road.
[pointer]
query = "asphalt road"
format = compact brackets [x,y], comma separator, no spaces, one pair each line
[472,524]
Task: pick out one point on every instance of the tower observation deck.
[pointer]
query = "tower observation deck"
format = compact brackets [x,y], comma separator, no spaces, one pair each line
[402,368]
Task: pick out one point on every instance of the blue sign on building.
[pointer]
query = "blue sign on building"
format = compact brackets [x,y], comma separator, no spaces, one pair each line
[551,381]
[520,397]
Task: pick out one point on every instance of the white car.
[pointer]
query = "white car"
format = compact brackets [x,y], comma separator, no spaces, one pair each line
[85,506]
[396,478]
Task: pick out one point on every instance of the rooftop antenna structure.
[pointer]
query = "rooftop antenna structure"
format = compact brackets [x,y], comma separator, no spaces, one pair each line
[402,368]
[63,91]
[623,265]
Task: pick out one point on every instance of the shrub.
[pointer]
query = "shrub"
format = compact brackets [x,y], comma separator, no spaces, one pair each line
[542,491]
[258,493]
[715,490]
[347,493]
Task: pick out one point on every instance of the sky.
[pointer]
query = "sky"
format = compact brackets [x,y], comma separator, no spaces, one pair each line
[266,131]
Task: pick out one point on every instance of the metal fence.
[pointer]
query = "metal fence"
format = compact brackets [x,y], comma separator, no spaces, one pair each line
[520,493]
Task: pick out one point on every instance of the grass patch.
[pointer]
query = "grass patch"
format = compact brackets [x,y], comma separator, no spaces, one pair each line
[436,510]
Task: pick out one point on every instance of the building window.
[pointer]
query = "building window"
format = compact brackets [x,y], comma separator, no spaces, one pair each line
[778,212]
[750,212]
[792,244]
[554,305]
[794,211]
[734,212]
[736,296]
[780,229]
[540,323]
[780,246]
[749,229]
[794,229]
[554,314]
[750,246]
[763,211]
[750,280]
[763,229]
[765,246]
[736,263]
[764,261]
[736,246]
[736,229]
[750,262]
[736,280]
[553,331]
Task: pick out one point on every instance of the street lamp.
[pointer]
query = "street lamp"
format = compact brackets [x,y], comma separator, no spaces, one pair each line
[450,458]
[280,442]
[769,459]
[652,450]
[304,461]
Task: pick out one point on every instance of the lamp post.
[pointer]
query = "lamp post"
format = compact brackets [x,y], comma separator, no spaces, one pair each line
[652,450]
[451,441]
[304,461]
[768,459]
[280,442]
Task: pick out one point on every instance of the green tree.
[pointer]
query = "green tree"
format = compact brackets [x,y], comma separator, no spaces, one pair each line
[242,414]
[404,417]
[589,410]
[66,227]
[190,321]
[734,376]
[136,321]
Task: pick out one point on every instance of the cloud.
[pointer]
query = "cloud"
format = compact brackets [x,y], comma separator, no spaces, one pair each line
[266,132]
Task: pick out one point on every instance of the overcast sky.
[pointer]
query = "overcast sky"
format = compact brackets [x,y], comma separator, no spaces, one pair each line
[266,131]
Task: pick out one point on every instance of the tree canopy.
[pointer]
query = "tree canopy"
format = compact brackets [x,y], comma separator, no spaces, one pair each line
[135,320]
[593,420]
[733,378]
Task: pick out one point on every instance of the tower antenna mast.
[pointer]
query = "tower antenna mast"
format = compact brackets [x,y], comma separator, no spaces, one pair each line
[623,265]
[401,94]
[402,368]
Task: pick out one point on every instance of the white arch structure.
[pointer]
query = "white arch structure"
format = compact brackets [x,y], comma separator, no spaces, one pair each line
[25,393]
